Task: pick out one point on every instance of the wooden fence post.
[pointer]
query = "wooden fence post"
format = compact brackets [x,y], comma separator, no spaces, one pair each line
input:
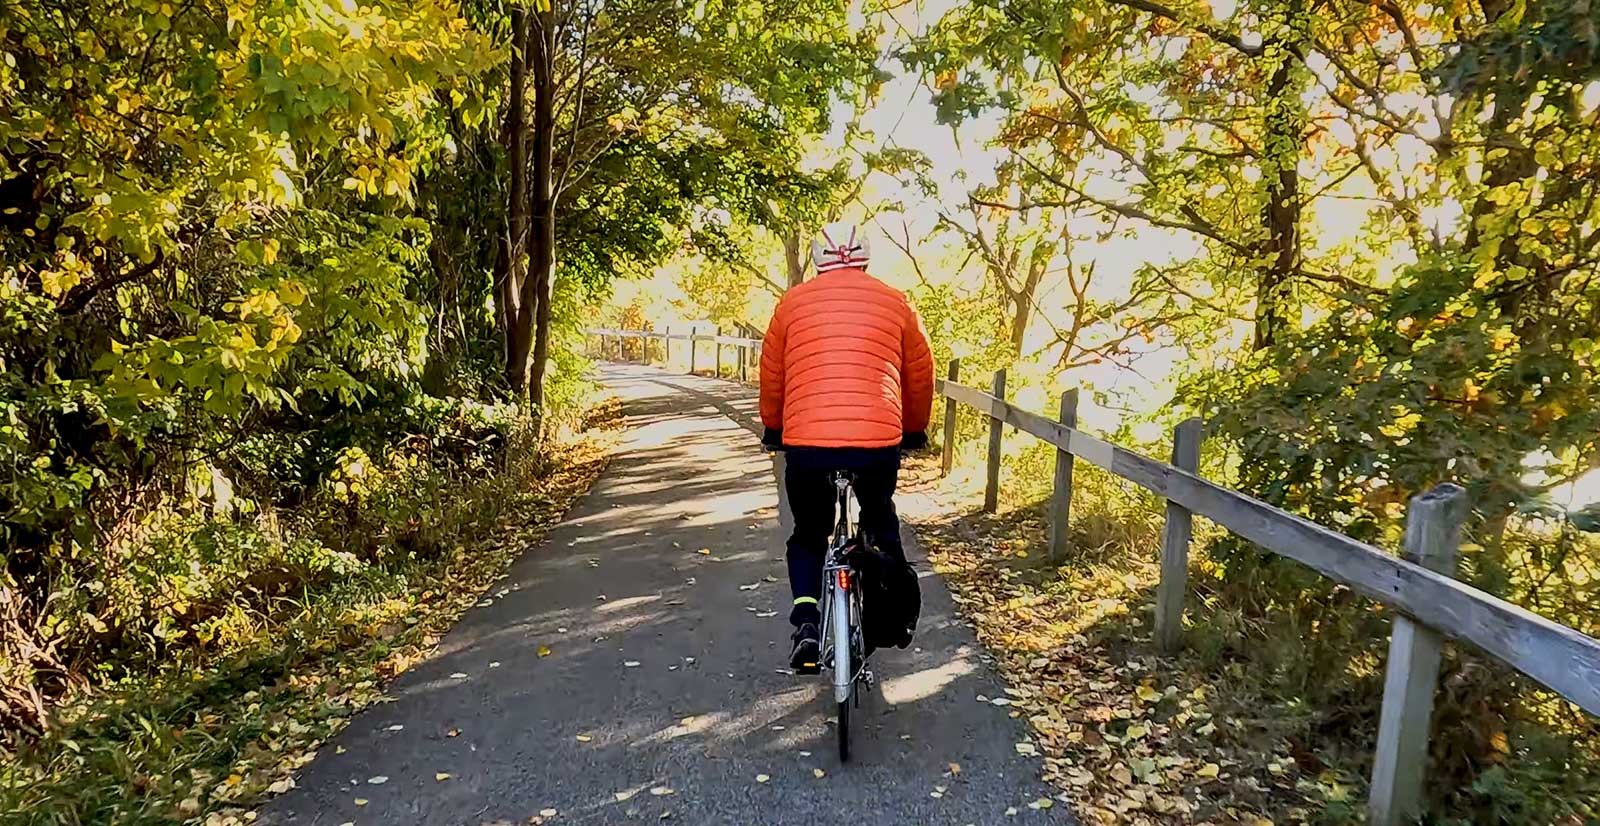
[719,352]
[744,364]
[950,421]
[991,488]
[692,350]
[1174,585]
[1433,537]
[1061,497]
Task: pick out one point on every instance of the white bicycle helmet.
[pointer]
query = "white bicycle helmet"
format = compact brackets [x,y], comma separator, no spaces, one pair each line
[840,245]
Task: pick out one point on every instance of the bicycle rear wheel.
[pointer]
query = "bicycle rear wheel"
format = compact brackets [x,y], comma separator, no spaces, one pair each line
[844,731]
[844,664]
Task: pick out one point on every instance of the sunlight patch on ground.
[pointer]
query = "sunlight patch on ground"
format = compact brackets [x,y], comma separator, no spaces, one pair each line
[928,682]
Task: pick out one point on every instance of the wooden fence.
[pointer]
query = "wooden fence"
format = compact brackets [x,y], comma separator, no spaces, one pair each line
[744,352]
[1419,585]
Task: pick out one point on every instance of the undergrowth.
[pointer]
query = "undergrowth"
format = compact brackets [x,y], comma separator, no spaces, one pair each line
[208,731]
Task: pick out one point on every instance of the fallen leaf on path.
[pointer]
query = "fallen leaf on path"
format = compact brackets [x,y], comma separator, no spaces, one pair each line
[751,587]
[544,650]
[818,773]
[955,768]
[441,776]
[660,791]
[361,801]
[1137,732]
[631,664]
[281,786]
[584,738]
[762,778]
[1042,803]
[766,614]
[494,665]
[455,732]
[459,675]
[1147,694]
[548,813]
[704,552]
[339,749]
[378,780]
[1209,770]
[396,728]
[1027,749]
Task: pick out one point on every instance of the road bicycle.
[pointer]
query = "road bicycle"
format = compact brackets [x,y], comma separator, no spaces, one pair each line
[844,650]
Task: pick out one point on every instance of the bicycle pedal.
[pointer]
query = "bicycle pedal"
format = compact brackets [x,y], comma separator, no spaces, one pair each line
[808,669]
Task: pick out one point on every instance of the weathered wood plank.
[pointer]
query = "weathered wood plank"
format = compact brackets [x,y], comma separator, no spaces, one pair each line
[950,412]
[1433,536]
[1061,492]
[1559,657]
[997,432]
[1175,543]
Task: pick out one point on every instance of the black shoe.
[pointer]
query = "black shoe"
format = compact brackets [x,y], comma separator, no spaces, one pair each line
[804,657]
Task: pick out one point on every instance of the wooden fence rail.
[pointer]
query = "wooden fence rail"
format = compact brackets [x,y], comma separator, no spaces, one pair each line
[608,344]
[1432,605]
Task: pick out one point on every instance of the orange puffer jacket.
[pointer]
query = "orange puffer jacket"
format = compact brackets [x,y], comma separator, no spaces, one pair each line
[845,364]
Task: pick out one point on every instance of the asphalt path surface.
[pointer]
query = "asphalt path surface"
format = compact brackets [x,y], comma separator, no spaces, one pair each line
[664,694]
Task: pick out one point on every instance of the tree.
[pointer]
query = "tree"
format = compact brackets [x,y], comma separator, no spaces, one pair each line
[745,80]
[206,234]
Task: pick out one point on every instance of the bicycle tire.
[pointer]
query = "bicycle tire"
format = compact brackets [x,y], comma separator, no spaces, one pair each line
[844,731]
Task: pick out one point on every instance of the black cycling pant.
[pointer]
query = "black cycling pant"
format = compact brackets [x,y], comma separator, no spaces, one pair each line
[808,478]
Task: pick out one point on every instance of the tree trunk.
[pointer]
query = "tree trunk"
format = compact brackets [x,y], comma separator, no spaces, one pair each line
[1022,300]
[512,258]
[793,258]
[542,271]
[1281,215]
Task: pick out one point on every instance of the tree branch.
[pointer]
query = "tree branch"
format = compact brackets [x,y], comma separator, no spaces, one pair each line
[78,298]
[1208,29]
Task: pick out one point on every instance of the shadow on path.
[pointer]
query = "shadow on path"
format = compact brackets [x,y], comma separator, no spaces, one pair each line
[662,670]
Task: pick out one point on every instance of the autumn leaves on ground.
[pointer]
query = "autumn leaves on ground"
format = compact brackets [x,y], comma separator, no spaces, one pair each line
[1250,725]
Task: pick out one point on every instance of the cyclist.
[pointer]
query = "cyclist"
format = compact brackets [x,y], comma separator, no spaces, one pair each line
[846,383]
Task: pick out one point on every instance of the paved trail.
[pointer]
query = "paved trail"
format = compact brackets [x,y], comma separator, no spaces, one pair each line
[671,672]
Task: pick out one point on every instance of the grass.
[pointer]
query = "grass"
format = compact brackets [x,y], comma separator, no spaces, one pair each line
[206,741]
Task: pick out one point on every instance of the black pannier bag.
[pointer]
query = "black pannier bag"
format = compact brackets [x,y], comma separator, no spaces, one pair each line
[891,597]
